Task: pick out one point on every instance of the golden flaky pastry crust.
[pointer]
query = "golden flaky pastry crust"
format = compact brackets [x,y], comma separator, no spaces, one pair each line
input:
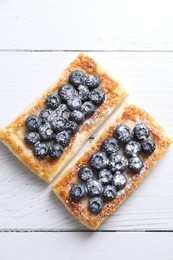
[12,135]
[129,116]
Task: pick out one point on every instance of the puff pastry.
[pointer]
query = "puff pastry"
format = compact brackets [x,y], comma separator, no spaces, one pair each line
[47,169]
[129,115]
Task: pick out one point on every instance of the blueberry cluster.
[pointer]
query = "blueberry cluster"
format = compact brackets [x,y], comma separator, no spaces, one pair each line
[104,176]
[50,131]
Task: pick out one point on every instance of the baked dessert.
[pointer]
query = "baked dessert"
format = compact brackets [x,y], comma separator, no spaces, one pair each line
[51,130]
[117,161]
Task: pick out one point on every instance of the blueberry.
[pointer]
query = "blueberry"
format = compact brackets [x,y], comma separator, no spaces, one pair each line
[85,173]
[58,124]
[96,205]
[63,111]
[72,127]
[88,108]
[63,138]
[97,96]
[46,133]
[110,146]
[33,122]
[66,91]
[77,116]
[105,176]
[92,81]
[44,114]
[109,192]
[123,133]
[31,137]
[119,180]
[40,150]
[74,103]
[83,92]
[55,150]
[51,116]
[135,164]
[141,131]
[117,162]
[53,101]
[94,187]
[77,191]
[148,146]
[132,148]
[99,160]
[77,77]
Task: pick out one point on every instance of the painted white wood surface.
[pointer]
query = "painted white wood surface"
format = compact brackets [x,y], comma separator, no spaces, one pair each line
[88,245]
[26,202]
[88,25]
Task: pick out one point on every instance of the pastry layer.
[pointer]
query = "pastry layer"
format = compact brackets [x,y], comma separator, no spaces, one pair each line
[129,116]
[12,135]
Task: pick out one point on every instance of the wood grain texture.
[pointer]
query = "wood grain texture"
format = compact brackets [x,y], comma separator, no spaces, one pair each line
[79,25]
[28,203]
[73,246]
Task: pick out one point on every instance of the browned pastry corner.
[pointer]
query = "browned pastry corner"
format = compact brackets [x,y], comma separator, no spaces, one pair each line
[129,115]
[12,135]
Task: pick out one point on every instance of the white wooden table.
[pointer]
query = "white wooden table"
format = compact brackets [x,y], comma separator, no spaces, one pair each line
[134,41]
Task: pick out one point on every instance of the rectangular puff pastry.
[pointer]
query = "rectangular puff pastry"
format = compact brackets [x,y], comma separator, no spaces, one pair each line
[129,115]
[47,169]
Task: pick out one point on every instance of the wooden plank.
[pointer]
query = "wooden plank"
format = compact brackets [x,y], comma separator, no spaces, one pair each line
[76,25]
[74,246]
[26,202]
